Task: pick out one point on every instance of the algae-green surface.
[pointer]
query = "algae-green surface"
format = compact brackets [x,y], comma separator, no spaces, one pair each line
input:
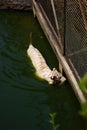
[26,100]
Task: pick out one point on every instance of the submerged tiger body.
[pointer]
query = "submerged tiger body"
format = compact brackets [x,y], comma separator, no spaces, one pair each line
[42,69]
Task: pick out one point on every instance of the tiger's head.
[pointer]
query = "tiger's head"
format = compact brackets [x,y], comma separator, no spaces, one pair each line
[56,77]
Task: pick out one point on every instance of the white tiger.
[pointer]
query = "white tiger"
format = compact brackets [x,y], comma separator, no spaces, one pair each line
[42,69]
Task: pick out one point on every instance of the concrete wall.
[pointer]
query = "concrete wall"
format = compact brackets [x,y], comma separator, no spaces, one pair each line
[15,4]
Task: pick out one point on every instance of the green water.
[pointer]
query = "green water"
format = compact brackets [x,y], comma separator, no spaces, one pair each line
[25,100]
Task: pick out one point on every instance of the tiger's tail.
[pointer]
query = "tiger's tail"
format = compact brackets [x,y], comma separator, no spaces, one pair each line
[30,37]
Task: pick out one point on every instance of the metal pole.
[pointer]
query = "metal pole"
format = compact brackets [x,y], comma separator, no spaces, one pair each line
[57,25]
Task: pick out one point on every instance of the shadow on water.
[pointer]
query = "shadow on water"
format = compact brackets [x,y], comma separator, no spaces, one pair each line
[26,100]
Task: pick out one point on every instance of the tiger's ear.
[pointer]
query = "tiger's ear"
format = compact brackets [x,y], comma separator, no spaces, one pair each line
[54,69]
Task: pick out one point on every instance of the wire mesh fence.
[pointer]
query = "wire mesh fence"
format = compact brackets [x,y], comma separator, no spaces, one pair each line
[71,16]
[76,35]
